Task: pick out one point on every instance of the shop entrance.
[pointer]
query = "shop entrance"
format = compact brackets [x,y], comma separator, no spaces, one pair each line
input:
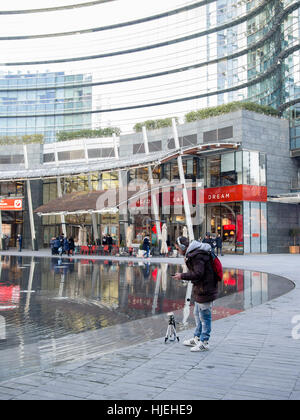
[226,219]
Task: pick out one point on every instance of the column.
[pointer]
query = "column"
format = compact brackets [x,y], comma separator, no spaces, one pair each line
[30,207]
[62,216]
[186,204]
[153,193]
[93,215]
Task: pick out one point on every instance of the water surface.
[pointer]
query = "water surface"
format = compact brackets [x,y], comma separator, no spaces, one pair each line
[56,310]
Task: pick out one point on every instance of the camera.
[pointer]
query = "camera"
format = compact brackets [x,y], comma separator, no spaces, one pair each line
[171,318]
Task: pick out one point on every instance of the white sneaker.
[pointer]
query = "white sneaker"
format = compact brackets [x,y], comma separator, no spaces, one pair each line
[191,342]
[201,346]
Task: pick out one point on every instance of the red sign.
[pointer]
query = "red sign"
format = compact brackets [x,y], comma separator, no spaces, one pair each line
[235,193]
[175,198]
[11,204]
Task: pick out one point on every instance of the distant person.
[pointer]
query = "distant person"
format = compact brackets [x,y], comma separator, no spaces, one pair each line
[146,246]
[71,246]
[109,243]
[104,240]
[19,240]
[6,242]
[66,246]
[219,244]
[209,240]
[56,246]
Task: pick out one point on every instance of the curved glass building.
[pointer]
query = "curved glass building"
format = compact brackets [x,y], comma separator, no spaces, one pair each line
[102,63]
[76,65]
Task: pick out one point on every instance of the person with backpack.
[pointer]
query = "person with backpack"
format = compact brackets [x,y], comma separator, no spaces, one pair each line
[199,261]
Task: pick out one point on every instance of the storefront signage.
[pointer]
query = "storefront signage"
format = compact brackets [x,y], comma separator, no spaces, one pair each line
[11,204]
[205,196]
[235,193]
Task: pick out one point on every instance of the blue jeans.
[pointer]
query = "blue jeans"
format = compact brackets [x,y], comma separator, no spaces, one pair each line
[147,251]
[202,314]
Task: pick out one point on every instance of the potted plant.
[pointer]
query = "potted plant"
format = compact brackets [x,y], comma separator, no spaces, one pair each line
[294,233]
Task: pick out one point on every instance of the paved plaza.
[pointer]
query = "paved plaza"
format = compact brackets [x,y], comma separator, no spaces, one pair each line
[254,355]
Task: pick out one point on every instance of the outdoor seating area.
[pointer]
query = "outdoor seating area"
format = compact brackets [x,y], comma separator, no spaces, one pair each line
[120,251]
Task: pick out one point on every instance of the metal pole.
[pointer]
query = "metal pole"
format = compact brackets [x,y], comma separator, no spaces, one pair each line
[186,204]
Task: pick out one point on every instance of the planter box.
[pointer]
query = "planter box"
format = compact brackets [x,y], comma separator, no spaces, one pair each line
[294,249]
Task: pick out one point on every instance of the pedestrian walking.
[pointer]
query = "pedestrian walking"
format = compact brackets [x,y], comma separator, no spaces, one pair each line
[109,243]
[205,288]
[219,244]
[146,246]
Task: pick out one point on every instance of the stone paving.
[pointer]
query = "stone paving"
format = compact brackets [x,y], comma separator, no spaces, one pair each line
[253,356]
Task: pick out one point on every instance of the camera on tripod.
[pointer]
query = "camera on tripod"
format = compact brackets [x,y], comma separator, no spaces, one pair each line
[171,330]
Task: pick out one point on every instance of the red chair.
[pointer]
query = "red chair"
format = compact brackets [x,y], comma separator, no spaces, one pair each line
[93,249]
[105,249]
[84,250]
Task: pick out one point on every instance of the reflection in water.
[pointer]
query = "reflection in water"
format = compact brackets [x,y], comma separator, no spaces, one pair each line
[45,303]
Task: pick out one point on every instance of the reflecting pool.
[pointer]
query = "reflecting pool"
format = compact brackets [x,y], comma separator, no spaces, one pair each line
[46,304]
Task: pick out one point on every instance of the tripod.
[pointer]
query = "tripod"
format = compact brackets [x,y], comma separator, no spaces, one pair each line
[171,330]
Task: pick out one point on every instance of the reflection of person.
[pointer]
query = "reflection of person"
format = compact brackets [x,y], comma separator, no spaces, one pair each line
[205,288]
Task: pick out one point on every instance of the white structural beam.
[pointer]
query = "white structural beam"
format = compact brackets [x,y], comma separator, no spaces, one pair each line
[186,204]
[29,199]
[62,216]
[154,204]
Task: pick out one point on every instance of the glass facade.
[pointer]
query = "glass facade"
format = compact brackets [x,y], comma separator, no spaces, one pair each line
[27,106]
[184,56]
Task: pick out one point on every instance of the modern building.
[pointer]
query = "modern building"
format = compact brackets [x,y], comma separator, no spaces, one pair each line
[44,103]
[165,61]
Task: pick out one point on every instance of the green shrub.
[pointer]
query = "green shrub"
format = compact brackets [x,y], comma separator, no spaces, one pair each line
[230,107]
[154,124]
[87,133]
[26,139]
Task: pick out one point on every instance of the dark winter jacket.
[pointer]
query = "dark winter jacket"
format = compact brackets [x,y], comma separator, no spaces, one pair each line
[146,244]
[197,259]
[219,242]
[209,241]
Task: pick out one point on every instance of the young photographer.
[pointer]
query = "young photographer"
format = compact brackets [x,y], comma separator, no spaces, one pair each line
[205,288]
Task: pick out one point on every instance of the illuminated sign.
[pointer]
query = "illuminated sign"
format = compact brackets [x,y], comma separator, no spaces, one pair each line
[11,204]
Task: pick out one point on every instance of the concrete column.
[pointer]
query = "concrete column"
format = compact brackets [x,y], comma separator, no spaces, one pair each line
[29,199]
[153,194]
[183,185]
[116,146]
[62,216]
[93,215]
